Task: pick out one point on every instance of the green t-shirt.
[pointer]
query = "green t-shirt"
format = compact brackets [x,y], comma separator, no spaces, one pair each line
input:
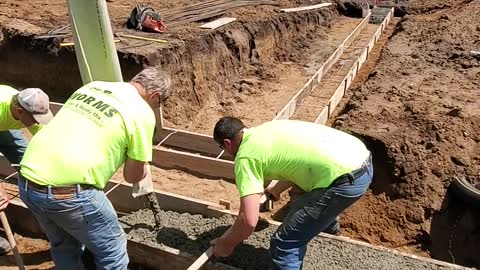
[7,122]
[90,137]
[310,155]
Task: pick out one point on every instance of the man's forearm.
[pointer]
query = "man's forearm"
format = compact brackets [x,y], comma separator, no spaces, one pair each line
[239,231]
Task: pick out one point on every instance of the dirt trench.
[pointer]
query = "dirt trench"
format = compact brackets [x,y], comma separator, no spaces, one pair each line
[418,110]
[211,70]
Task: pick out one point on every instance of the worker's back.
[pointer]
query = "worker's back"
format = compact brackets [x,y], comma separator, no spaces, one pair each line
[310,155]
[87,140]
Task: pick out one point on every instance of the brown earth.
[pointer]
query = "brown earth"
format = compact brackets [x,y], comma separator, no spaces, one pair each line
[418,109]
[415,104]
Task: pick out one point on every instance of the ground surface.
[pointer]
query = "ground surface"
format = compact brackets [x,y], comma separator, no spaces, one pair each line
[415,103]
[35,254]
[419,109]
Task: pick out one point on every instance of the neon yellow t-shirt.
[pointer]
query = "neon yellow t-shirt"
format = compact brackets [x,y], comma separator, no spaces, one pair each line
[90,137]
[7,122]
[310,155]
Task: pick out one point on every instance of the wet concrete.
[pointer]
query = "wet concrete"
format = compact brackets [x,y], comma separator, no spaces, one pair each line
[192,234]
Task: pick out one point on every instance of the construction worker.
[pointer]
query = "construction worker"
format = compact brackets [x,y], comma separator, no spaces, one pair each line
[68,163]
[332,167]
[28,108]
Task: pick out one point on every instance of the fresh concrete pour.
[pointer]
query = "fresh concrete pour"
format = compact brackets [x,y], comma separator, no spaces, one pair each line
[192,234]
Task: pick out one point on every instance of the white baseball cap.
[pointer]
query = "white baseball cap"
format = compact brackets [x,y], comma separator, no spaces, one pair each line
[37,102]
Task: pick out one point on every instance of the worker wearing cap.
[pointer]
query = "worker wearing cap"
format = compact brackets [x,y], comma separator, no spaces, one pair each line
[332,167]
[68,163]
[28,108]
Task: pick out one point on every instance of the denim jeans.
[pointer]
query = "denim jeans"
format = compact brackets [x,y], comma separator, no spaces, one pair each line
[87,219]
[314,212]
[13,145]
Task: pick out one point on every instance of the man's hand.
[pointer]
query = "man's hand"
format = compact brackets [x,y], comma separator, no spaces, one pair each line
[275,188]
[4,200]
[221,247]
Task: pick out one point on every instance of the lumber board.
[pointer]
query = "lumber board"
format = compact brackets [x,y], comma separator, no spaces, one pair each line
[165,258]
[5,168]
[305,7]
[348,79]
[217,23]
[192,163]
[191,141]
[289,109]
[23,222]
[122,201]
[55,107]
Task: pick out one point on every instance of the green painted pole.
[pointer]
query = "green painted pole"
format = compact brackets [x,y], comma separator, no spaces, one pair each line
[93,38]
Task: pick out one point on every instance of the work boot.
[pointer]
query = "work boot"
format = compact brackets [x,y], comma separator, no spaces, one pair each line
[4,246]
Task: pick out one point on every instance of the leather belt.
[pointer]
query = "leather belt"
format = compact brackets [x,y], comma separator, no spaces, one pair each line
[61,190]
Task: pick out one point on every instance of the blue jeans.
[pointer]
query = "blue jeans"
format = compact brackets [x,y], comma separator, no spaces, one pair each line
[13,145]
[87,219]
[314,212]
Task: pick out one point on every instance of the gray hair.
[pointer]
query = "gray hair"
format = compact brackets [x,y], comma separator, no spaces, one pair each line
[154,80]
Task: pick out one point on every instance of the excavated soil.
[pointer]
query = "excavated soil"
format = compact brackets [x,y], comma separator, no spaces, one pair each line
[192,234]
[419,111]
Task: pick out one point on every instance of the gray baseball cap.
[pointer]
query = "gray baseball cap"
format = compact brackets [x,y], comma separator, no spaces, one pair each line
[37,102]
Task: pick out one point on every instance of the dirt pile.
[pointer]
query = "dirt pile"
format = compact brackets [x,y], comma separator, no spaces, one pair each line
[419,112]
[193,233]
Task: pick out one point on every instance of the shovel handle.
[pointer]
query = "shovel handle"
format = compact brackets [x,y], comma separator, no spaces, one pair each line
[11,240]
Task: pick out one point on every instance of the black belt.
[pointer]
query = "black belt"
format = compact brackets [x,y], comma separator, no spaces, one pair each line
[350,177]
[63,190]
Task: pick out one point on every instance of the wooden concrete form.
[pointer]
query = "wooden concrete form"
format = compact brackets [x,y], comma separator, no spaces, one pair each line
[305,7]
[288,110]
[164,257]
[341,90]
[194,164]
[217,23]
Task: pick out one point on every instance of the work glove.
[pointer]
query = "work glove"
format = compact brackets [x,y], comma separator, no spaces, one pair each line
[145,186]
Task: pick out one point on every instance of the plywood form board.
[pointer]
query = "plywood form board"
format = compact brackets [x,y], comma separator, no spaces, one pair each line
[22,221]
[195,164]
[166,258]
[5,168]
[323,117]
[194,142]
[217,23]
[288,110]
[122,200]
[305,7]
[342,88]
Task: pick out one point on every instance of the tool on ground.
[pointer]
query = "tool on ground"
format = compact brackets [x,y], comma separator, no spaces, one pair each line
[206,256]
[145,18]
[11,240]
[145,188]
[68,44]
[141,38]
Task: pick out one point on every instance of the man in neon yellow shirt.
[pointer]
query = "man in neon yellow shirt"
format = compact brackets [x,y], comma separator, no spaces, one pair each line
[68,163]
[28,108]
[332,167]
